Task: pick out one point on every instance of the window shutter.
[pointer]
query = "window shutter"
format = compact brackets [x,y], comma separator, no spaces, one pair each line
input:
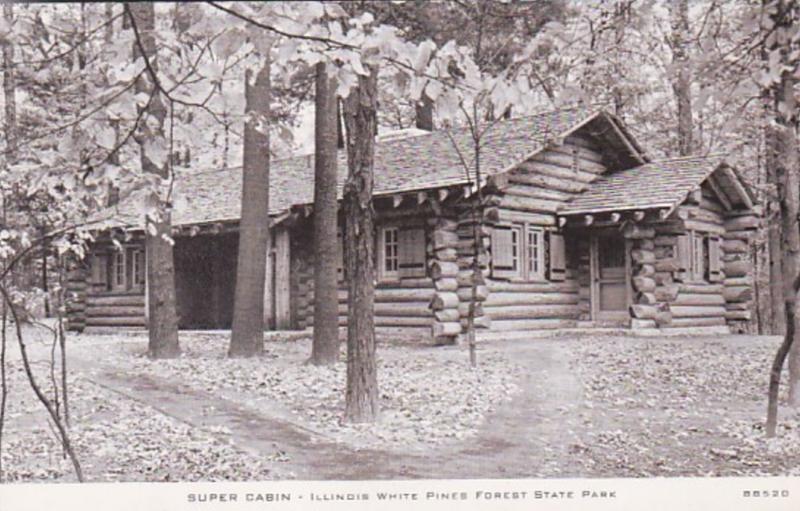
[683,256]
[411,252]
[100,269]
[714,260]
[502,256]
[558,257]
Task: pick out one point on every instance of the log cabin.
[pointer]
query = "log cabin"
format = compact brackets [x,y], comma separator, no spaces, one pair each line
[582,230]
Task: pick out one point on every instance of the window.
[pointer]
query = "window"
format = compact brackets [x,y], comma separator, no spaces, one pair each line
[698,263]
[698,257]
[118,270]
[535,253]
[138,268]
[388,254]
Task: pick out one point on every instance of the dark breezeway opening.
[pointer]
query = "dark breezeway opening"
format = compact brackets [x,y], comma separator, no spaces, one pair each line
[205,278]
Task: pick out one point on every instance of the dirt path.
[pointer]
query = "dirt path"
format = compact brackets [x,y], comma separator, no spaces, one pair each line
[529,436]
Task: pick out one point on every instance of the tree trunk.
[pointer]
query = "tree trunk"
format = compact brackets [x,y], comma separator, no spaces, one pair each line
[325,348]
[247,338]
[9,87]
[424,113]
[785,162]
[360,120]
[681,83]
[163,321]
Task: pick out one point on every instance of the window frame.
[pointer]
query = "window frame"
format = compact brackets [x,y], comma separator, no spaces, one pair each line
[119,260]
[133,282]
[540,273]
[698,260]
[385,273]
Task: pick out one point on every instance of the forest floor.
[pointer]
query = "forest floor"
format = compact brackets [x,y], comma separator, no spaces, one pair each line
[586,406]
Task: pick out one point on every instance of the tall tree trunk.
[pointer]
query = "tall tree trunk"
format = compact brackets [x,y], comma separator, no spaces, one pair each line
[362,382]
[785,161]
[777,325]
[163,321]
[682,82]
[424,113]
[247,338]
[9,87]
[325,348]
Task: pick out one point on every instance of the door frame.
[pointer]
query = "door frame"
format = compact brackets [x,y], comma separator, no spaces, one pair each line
[608,317]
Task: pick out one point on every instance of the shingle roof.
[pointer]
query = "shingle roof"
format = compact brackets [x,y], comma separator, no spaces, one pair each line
[402,165]
[652,185]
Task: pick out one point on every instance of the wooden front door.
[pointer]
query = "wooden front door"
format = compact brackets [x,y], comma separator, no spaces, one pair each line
[610,270]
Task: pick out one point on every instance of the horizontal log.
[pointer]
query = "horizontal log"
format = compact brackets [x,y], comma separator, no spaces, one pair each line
[400,321]
[536,192]
[667,293]
[394,295]
[509,325]
[666,265]
[740,306]
[105,311]
[715,289]
[738,281]
[570,149]
[641,324]
[447,315]
[439,222]
[742,223]
[663,278]
[699,299]
[502,298]
[643,311]
[664,241]
[735,247]
[403,310]
[663,317]
[464,294]
[442,239]
[532,287]
[644,284]
[440,329]
[129,299]
[128,321]
[704,226]
[738,293]
[466,277]
[640,256]
[510,215]
[696,322]
[646,298]
[532,312]
[694,311]
[567,163]
[737,315]
[736,269]
[443,269]
[527,174]
[463,309]
[449,254]
[482,322]
[527,204]
[446,284]
[444,300]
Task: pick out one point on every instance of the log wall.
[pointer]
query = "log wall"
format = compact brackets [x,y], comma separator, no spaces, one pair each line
[738,269]
[402,306]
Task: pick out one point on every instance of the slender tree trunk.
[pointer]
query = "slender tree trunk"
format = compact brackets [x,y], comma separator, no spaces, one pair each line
[325,348]
[9,88]
[682,82]
[777,323]
[362,382]
[163,323]
[247,338]
[424,113]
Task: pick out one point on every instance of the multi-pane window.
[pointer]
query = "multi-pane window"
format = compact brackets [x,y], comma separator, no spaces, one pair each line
[535,253]
[389,253]
[518,252]
[118,280]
